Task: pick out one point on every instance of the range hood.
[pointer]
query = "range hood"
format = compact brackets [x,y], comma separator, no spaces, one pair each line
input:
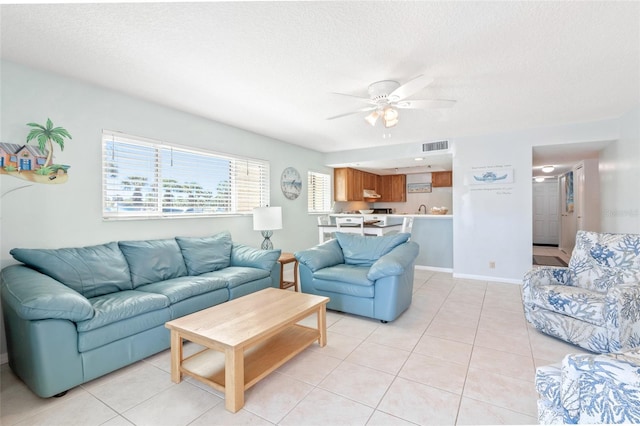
[370,193]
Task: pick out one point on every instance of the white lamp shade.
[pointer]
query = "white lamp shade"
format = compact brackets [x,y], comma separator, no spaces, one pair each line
[267,218]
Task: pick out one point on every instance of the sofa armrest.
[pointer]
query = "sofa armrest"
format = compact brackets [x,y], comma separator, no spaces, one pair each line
[395,262]
[251,257]
[321,256]
[35,296]
[601,388]
[623,317]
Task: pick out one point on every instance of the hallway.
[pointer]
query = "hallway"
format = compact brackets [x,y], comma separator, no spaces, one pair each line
[550,251]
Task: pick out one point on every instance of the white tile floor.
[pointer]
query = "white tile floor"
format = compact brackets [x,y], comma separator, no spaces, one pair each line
[462,354]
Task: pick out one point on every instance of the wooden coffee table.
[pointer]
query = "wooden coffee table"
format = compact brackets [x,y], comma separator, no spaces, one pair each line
[246,339]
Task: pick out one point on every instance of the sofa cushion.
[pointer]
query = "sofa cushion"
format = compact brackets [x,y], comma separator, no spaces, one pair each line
[206,254]
[91,271]
[242,255]
[114,307]
[235,276]
[575,302]
[181,288]
[151,261]
[124,328]
[365,250]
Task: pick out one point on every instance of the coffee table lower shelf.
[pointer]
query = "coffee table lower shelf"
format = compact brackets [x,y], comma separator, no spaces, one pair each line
[208,365]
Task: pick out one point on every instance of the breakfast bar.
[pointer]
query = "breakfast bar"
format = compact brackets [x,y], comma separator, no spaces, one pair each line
[370,228]
[433,232]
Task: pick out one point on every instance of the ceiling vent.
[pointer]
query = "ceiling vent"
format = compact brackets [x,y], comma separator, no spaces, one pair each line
[435,146]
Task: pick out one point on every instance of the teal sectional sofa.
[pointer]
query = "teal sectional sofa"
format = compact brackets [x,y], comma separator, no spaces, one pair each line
[362,275]
[74,314]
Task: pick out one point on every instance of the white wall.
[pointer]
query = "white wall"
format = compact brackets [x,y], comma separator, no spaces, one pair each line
[70,214]
[493,223]
[620,178]
[67,215]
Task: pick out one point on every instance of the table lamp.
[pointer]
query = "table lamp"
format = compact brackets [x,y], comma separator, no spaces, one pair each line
[266,219]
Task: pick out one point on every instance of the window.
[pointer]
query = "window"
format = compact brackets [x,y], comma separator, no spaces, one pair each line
[319,192]
[142,178]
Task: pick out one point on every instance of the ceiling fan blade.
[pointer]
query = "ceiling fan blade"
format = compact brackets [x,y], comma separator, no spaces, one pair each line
[371,108]
[360,98]
[410,87]
[425,104]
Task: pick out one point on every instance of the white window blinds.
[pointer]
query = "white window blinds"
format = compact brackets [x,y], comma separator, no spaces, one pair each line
[144,179]
[319,185]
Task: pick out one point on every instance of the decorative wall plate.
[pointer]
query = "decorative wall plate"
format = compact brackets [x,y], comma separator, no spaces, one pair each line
[291,183]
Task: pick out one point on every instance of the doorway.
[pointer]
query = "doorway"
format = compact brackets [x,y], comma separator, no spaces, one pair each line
[546,213]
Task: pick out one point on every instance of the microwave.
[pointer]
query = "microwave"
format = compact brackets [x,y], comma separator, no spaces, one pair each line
[383,211]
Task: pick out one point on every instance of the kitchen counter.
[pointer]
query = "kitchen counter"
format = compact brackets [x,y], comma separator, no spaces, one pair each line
[423,216]
[399,215]
[433,232]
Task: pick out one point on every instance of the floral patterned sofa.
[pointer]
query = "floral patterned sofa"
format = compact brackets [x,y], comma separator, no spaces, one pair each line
[590,389]
[595,301]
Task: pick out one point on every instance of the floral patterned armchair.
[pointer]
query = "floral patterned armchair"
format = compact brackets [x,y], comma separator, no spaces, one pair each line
[590,389]
[595,301]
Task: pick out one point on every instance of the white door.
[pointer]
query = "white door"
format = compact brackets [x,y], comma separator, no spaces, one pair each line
[546,213]
[567,217]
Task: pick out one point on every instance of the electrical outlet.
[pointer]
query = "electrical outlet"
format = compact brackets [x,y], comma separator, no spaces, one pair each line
[492,265]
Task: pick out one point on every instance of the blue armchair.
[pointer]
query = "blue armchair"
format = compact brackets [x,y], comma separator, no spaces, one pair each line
[362,275]
[590,389]
[594,302]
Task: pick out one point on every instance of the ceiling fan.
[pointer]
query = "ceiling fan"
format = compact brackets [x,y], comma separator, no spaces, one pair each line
[387,96]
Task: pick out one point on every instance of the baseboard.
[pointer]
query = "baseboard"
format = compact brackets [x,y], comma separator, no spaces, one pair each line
[433,268]
[4,358]
[485,278]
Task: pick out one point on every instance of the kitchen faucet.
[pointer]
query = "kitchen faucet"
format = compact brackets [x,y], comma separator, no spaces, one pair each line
[421,206]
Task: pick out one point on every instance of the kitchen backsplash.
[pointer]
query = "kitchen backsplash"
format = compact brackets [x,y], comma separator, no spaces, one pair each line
[439,197]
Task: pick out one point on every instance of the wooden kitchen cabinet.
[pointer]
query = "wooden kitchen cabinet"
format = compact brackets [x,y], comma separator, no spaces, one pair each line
[347,184]
[441,179]
[369,181]
[392,188]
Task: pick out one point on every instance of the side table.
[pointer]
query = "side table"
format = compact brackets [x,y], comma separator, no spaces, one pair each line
[284,259]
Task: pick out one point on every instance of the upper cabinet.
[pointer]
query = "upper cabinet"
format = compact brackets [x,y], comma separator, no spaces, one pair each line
[392,188]
[369,181]
[349,185]
[441,179]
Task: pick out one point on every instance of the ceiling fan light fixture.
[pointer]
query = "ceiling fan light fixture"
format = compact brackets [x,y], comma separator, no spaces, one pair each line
[373,117]
[548,169]
[390,117]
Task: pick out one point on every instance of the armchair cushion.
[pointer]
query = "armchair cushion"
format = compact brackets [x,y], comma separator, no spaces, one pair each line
[574,302]
[365,251]
[206,254]
[91,271]
[601,261]
[351,274]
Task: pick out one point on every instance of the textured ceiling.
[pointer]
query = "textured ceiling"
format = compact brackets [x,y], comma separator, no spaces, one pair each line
[271,67]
